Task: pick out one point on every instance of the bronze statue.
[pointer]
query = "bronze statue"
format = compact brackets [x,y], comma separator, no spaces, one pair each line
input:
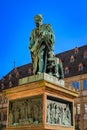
[41,47]
[41,42]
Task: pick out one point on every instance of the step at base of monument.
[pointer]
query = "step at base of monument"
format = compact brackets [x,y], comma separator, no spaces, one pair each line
[41,128]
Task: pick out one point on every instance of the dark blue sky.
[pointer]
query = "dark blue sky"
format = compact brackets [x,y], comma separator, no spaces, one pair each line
[67,17]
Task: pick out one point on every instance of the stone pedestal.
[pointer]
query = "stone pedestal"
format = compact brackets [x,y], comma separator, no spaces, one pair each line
[40,102]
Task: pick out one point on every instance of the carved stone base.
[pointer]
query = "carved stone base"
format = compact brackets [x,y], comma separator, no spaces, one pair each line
[40,103]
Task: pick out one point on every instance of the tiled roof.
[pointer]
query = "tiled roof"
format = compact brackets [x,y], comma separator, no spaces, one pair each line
[22,71]
[73,66]
[11,79]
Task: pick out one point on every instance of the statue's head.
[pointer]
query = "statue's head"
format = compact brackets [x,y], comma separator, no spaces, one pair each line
[38,19]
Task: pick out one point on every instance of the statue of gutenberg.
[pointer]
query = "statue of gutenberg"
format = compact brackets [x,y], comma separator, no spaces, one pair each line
[41,46]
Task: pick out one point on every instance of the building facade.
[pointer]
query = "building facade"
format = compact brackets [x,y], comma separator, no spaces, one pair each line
[75,73]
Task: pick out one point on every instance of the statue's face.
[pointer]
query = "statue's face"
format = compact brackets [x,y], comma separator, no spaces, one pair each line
[38,23]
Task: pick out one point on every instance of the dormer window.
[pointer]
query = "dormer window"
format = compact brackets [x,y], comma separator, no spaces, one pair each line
[10,84]
[15,70]
[10,76]
[2,86]
[29,71]
[66,70]
[17,74]
[76,50]
[85,55]
[80,67]
[3,79]
[72,59]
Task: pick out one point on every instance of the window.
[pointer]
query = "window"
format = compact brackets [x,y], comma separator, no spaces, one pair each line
[85,108]
[84,84]
[76,50]
[0,99]
[3,79]
[73,84]
[17,74]
[29,71]
[2,86]
[85,55]
[80,67]
[78,109]
[15,70]
[10,84]
[66,70]
[76,85]
[10,76]
[72,59]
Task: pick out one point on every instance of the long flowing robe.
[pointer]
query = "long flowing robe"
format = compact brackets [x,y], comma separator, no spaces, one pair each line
[41,40]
